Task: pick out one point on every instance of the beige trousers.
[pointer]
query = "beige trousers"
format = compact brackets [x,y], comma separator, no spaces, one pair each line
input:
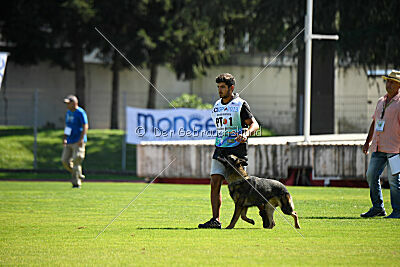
[72,158]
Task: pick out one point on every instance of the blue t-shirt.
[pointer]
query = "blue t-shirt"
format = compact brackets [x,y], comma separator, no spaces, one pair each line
[75,120]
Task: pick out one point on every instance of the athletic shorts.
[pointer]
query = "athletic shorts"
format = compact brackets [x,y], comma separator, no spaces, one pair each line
[219,168]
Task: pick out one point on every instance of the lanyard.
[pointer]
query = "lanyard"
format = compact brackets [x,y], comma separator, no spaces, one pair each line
[384,107]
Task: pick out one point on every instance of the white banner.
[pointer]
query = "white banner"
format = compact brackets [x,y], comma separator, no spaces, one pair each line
[3,62]
[168,124]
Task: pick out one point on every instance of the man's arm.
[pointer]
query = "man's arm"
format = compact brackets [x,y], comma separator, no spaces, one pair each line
[253,127]
[369,138]
[84,131]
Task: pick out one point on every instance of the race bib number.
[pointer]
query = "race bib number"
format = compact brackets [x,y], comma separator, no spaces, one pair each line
[67,131]
[380,124]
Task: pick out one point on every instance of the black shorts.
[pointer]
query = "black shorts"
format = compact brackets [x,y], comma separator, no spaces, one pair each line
[239,151]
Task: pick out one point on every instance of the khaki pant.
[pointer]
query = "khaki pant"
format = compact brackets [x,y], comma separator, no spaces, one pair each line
[72,158]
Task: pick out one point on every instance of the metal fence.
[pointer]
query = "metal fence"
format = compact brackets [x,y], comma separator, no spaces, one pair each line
[36,142]
[42,113]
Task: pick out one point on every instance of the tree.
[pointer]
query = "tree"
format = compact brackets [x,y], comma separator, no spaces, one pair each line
[120,24]
[49,30]
[190,101]
[178,33]
[367,29]
[71,27]
[155,29]
[195,40]
[25,30]
[369,33]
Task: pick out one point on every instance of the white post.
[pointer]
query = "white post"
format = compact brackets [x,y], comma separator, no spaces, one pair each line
[123,161]
[307,71]
[308,36]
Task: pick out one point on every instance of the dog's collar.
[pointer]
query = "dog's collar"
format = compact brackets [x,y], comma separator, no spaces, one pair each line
[239,181]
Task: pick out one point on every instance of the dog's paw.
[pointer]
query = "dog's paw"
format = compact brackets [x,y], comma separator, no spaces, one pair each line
[230,227]
[252,222]
[269,226]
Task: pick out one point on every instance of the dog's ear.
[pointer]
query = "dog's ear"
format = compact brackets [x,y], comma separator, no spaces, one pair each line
[242,162]
[231,158]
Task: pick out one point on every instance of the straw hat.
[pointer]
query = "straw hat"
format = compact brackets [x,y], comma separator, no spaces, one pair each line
[394,76]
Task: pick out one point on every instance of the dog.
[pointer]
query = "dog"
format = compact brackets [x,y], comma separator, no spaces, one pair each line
[249,191]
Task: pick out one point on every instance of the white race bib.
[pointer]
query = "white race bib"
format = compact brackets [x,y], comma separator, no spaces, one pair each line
[67,131]
[380,124]
[227,121]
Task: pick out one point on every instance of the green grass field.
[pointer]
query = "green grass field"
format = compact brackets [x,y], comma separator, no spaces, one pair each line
[48,223]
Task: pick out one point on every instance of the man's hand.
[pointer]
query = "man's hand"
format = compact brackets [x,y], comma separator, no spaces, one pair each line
[241,138]
[80,142]
[365,148]
[64,142]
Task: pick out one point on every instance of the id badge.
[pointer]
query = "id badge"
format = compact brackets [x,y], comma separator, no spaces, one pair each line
[67,131]
[380,124]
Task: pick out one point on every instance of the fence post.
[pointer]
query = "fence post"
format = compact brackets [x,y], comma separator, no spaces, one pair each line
[123,160]
[35,122]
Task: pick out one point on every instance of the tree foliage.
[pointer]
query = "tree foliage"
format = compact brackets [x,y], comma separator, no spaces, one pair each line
[49,30]
[185,34]
[369,33]
[25,30]
[189,101]
[178,33]
[120,24]
[195,40]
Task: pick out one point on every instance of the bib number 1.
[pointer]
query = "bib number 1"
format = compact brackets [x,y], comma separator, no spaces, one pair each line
[221,121]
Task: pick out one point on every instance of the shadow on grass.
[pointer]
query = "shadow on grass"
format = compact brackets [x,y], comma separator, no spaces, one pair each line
[167,228]
[190,228]
[331,218]
[12,131]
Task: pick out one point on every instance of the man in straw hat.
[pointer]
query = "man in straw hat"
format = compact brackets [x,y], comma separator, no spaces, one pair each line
[385,135]
[76,128]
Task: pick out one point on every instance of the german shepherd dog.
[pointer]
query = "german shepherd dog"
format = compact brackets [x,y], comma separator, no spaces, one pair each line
[248,191]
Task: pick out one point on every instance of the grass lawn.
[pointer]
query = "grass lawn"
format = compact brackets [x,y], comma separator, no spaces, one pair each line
[48,223]
[32,176]
[103,150]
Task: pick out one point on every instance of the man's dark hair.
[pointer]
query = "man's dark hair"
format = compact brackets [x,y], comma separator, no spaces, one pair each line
[226,78]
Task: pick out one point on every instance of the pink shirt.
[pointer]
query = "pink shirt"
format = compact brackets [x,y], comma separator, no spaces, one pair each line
[387,141]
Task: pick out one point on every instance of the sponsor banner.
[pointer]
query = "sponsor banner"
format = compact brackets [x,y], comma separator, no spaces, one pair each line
[3,63]
[168,124]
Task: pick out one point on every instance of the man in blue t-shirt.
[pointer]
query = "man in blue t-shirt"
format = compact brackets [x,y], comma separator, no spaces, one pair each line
[76,128]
